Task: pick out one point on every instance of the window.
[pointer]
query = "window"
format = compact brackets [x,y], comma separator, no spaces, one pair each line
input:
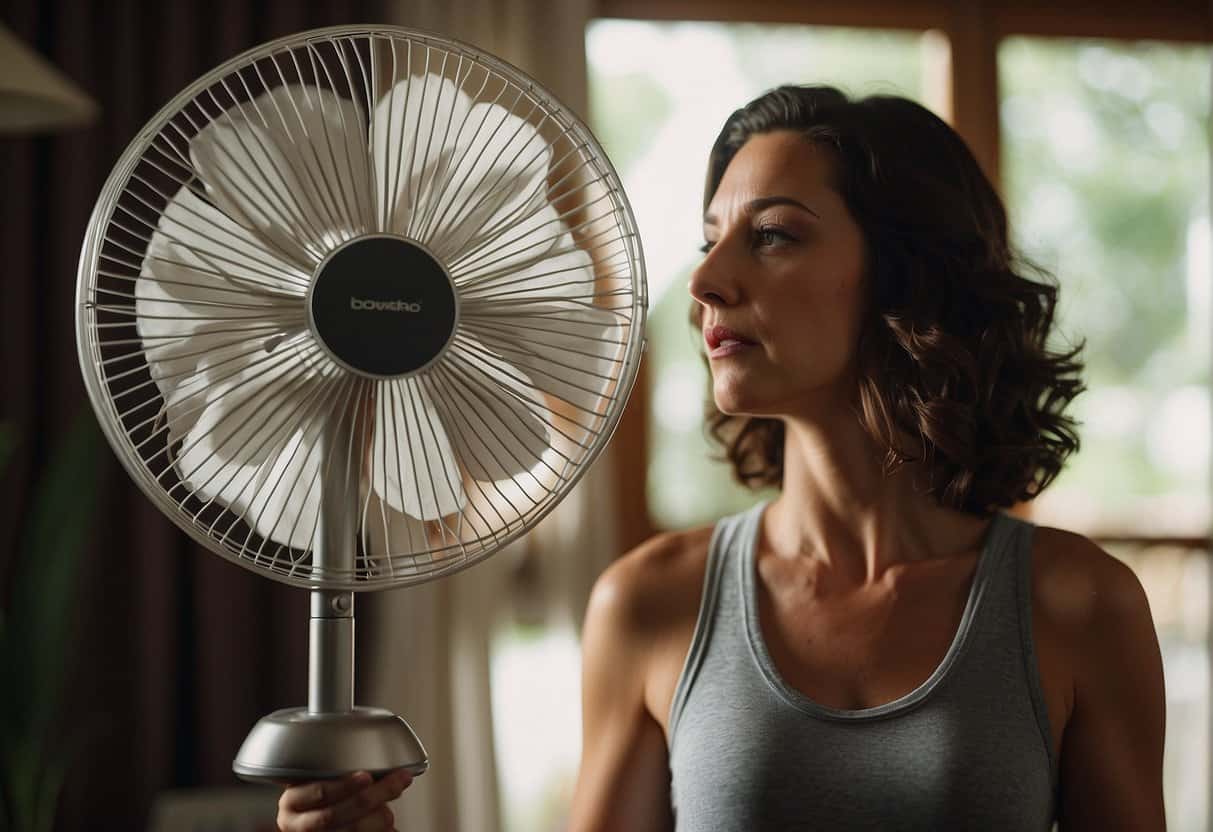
[1106,172]
[536,689]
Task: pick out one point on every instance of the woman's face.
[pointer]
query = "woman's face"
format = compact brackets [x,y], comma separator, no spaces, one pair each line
[784,269]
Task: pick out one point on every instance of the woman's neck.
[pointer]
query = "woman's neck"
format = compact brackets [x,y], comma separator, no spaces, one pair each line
[840,510]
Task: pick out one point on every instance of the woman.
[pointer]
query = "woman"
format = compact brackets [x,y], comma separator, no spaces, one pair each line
[878,647]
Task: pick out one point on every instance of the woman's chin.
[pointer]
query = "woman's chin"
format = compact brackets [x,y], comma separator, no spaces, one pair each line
[732,403]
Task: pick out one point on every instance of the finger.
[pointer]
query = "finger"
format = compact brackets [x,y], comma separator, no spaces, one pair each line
[326,820]
[376,822]
[371,798]
[323,793]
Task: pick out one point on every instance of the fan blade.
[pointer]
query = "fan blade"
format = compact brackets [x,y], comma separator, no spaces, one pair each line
[257,412]
[541,320]
[573,356]
[497,179]
[291,164]
[288,502]
[413,467]
[206,285]
[388,534]
[407,147]
[502,423]
[489,253]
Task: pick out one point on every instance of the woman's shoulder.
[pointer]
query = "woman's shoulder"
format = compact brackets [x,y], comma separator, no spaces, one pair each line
[1077,583]
[657,583]
[1095,610]
[1113,744]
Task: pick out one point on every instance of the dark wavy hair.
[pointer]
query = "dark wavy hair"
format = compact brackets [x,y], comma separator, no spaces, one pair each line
[952,350]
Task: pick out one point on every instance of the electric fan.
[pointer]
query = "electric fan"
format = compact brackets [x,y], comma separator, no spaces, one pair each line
[357,309]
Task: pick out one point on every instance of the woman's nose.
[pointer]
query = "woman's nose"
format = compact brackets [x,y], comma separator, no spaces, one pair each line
[711,283]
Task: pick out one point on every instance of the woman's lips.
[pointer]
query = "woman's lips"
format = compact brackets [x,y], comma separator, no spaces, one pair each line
[723,342]
[729,347]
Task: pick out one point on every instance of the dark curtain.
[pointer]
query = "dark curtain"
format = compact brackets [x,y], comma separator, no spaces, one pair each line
[175,651]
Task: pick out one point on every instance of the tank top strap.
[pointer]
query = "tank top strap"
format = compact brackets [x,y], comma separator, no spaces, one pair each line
[729,535]
[1010,623]
[1002,644]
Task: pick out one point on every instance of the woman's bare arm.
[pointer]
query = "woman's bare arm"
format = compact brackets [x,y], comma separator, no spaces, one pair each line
[623,783]
[1112,749]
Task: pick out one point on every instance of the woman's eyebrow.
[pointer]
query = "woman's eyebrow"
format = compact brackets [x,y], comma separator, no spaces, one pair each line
[765,202]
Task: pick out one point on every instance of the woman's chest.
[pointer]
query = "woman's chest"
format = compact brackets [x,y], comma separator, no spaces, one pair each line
[867,651]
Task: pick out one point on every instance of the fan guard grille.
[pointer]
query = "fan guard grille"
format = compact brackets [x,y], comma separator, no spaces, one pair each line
[200,348]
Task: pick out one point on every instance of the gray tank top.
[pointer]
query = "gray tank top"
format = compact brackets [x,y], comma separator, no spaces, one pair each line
[968,749]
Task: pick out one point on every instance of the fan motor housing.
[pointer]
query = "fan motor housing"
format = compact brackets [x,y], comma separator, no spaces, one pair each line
[382,305]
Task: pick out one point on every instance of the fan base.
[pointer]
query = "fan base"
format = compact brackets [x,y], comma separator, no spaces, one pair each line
[293,745]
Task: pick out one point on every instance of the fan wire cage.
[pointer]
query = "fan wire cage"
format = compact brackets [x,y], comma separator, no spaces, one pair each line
[358,308]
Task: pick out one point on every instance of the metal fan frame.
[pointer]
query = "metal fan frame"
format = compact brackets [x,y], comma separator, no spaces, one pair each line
[89,348]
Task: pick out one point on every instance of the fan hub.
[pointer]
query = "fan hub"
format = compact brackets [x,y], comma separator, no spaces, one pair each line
[382,306]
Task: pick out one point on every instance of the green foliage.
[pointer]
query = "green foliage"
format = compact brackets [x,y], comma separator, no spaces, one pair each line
[858,61]
[1106,167]
[34,646]
[626,110]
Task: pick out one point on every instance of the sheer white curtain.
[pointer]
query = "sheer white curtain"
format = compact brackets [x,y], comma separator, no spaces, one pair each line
[429,658]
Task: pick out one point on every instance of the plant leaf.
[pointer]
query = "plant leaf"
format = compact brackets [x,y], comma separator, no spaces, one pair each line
[35,642]
[48,787]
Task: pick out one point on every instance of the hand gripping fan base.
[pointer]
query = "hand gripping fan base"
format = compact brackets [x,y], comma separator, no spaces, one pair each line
[355,310]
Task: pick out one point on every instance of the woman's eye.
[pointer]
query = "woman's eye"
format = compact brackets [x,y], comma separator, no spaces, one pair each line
[770,235]
[706,247]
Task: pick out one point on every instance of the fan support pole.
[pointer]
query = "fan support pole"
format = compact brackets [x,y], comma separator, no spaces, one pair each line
[330,659]
[330,678]
[330,737]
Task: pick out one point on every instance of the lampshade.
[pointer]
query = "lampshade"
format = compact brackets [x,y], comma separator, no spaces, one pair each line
[34,96]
